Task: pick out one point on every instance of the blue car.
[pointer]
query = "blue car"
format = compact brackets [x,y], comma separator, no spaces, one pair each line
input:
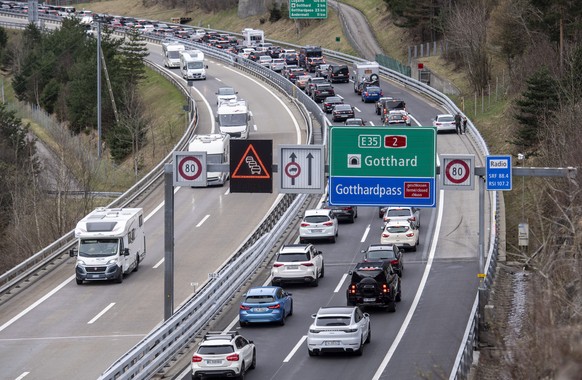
[265,304]
[372,94]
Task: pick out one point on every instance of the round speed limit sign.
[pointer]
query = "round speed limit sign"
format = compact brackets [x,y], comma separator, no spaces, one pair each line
[457,172]
[189,169]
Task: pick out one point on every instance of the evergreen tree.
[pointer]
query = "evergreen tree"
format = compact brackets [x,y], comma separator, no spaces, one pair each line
[133,53]
[534,107]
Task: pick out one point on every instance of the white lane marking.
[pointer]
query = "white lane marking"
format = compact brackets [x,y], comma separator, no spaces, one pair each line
[408,318]
[255,127]
[371,123]
[22,376]
[357,109]
[412,118]
[213,129]
[41,300]
[203,220]
[294,350]
[341,283]
[158,207]
[101,313]
[227,191]
[218,79]
[159,263]
[365,234]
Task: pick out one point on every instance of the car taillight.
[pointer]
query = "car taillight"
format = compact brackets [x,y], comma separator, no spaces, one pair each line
[412,219]
[277,265]
[385,235]
[351,330]
[233,358]
[328,224]
[243,307]
[196,359]
[410,234]
[385,288]
[304,224]
[352,289]
[277,306]
[307,264]
[394,262]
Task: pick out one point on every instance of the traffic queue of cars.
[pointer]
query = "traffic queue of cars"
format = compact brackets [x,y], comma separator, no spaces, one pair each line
[374,282]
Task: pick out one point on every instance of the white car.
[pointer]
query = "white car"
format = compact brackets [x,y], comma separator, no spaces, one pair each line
[277,64]
[265,60]
[223,354]
[401,233]
[410,214]
[300,263]
[444,123]
[339,329]
[318,224]
[226,94]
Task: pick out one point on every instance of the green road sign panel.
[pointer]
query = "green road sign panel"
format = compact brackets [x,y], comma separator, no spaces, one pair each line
[303,9]
[382,166]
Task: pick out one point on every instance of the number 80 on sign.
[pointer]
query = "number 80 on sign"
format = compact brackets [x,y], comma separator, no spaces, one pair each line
[457,172]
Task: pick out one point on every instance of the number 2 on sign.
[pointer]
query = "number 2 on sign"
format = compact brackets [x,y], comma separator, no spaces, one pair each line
[392,141]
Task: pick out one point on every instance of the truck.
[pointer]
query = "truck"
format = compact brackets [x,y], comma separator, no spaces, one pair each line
[171,52]
[192,64]
[365,74]
[217,148]
[253,37]
[233,117]
[307,52]
[111,243]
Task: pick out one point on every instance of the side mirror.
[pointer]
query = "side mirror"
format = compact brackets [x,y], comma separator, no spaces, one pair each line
[73,252]
[126,252]
[318,252]
[350,272]
[313,316]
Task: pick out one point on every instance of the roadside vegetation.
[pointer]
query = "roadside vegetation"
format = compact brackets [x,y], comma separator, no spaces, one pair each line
[518,65]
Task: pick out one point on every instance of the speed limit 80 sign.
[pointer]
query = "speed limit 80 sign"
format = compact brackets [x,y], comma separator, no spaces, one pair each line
[457,172]
[189,169]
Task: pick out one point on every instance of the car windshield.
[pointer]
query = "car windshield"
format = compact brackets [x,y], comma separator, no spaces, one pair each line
[333,321]
[316,219]
[332,99]
[215,350]
[259,299]
[397,229]
[373,89]
[383,254]
[398,212]
[226,91]
[232,119]
[98,247]
[340,107]
[444,119]
[292,257]
[195,65]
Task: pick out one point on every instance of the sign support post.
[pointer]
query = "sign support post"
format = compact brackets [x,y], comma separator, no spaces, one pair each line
[168,242]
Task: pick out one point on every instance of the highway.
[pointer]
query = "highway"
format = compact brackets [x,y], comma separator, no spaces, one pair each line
[60,330]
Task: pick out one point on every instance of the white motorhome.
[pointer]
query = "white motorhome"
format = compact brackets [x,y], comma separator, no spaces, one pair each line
[217,148]
[171,52]
[234,117]
[192,64]
[111,243]
[253,37]
[365,73]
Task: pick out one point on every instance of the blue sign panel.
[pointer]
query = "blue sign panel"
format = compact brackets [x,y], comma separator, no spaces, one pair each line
[498,170]
[382,191]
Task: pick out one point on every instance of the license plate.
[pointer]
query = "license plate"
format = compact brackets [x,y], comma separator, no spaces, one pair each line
[260,309]
[332,343]
[93,276]
[369,299]
[292,266]
[316,231]
[213,362]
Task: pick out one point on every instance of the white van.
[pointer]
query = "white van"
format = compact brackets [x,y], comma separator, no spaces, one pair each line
[192,64]
[217,148]
[171,52]
[233,118]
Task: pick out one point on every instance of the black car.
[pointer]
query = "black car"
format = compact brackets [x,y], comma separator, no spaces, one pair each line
[391,105]
[343,213]
[342,112]
[322,91]
[374,283]
[311,84]
[385,252]
[330,102]
[338,73]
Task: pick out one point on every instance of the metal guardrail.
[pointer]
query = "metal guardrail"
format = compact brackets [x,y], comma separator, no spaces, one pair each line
[133,361]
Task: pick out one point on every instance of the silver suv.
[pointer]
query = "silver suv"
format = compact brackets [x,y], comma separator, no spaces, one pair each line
[298,263]
[223,354]
[339,329]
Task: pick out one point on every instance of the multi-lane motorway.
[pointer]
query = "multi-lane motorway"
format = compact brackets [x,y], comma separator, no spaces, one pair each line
[58,329]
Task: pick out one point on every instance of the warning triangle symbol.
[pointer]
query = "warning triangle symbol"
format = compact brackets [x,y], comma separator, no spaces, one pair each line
[251,166]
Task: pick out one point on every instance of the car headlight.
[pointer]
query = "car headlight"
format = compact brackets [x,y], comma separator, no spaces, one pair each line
[81,263]
[112,261]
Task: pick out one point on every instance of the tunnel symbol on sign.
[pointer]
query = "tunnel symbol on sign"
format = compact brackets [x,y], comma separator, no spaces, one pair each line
[354,161]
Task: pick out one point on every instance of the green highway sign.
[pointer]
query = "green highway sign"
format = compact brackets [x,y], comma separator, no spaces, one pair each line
[378,166]
[303,9]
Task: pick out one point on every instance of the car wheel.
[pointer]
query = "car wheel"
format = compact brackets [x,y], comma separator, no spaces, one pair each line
[282,321]
[79,281]
[333,239]
[322,271]
[241,376]
[311,353]
[243,324]
[360,350]
[301,241]
[399,295]
[391,307]
[315,282]
[254,362]
[350,303]
[291,309]
[352,219]
[136,263]
[414,248]
[369,338]
[119,279]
